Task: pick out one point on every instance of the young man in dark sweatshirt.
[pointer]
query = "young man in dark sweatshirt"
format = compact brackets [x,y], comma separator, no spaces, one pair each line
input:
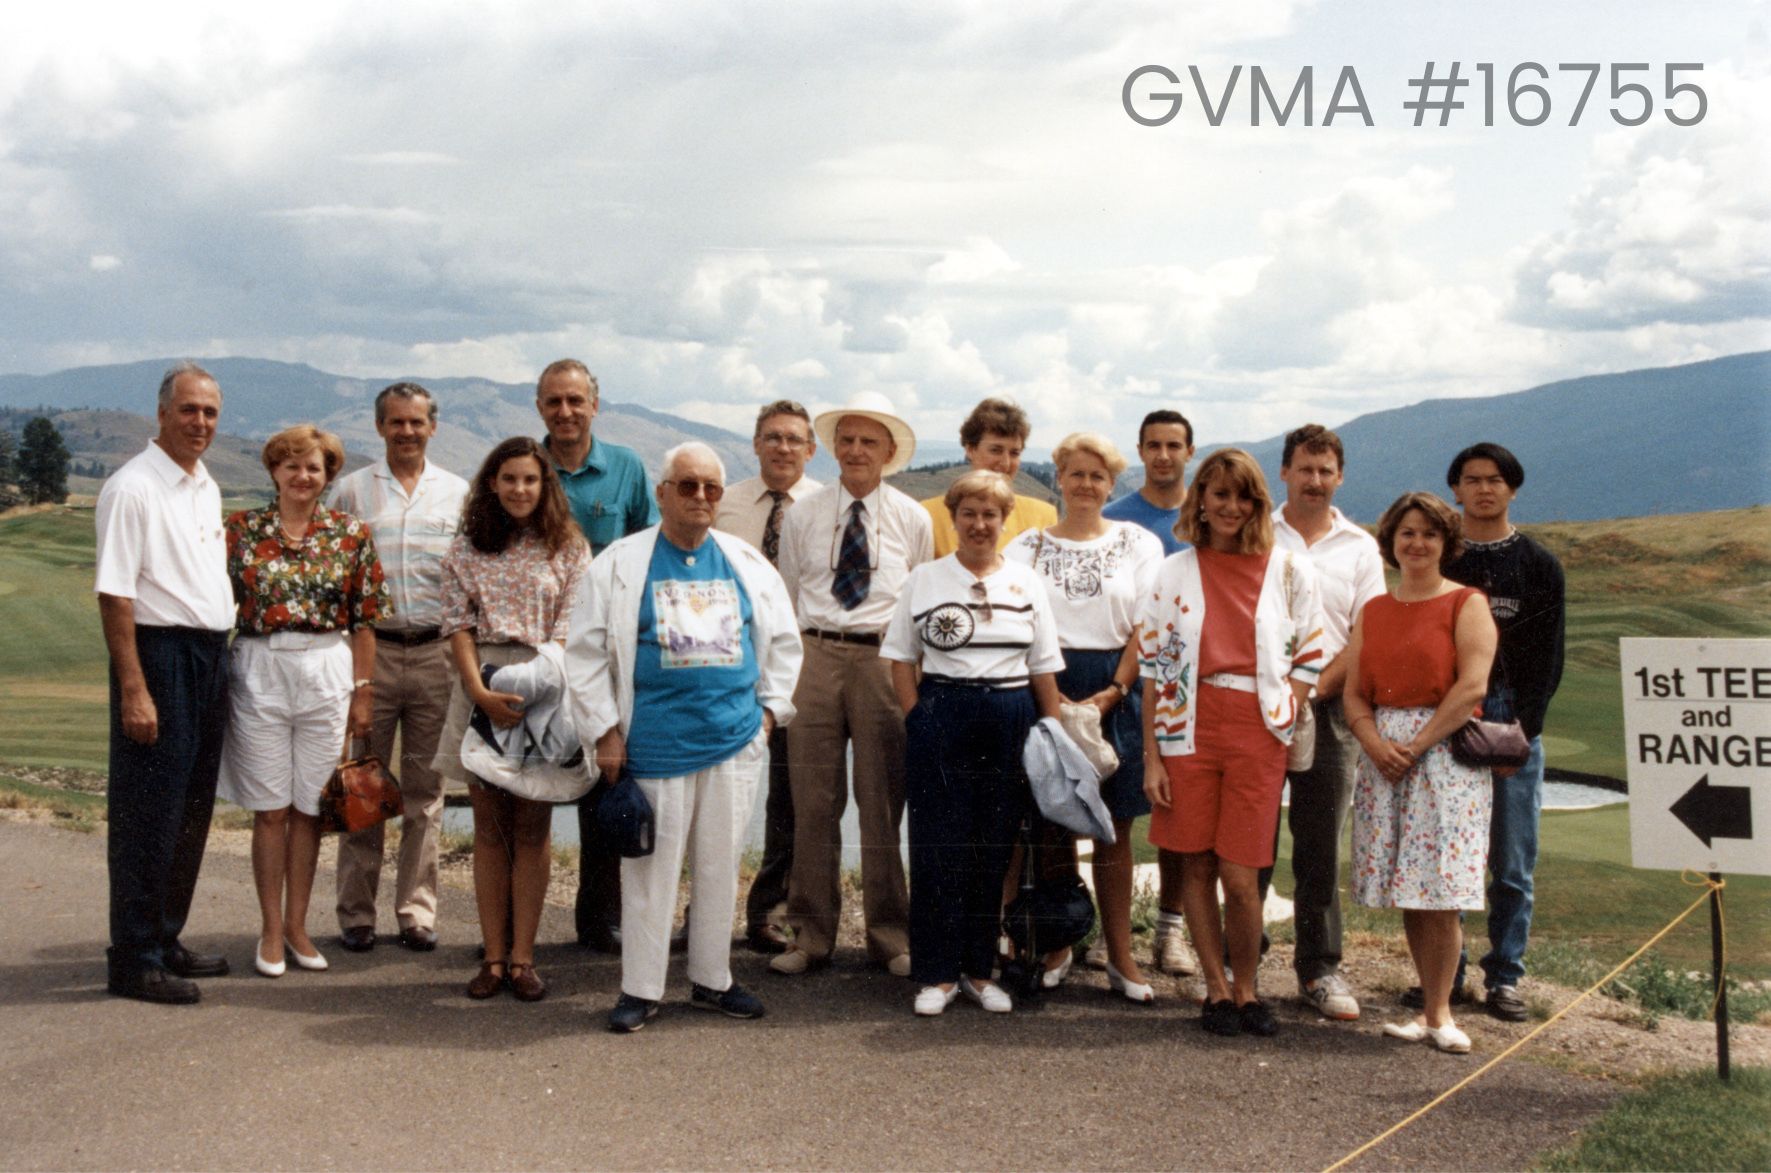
[1525,591]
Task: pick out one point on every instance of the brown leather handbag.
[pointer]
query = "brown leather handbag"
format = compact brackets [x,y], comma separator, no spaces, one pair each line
[360,794]
[1499,745]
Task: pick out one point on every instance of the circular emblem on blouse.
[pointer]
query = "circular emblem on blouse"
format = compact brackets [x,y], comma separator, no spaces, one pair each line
[948,626]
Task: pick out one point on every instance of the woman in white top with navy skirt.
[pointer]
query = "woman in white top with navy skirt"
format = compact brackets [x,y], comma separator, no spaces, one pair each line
[1097,573]
[981,629]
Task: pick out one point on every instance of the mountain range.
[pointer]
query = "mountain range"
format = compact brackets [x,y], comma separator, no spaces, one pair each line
[1663,440]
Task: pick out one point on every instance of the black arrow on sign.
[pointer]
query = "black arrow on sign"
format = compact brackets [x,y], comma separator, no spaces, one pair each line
[1716,812]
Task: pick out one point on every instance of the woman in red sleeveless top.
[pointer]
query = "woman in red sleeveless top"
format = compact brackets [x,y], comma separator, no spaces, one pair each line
[1420,817]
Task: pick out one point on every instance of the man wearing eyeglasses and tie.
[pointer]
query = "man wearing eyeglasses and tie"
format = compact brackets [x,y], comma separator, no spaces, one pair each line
[846,553]
[755,509]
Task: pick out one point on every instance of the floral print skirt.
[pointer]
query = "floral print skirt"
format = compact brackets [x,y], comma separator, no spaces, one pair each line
[1421,841]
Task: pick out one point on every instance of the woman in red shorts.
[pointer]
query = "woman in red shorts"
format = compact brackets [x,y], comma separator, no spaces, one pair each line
[1229,645]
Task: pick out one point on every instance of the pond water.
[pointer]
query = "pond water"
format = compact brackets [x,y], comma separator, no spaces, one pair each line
[1556,796]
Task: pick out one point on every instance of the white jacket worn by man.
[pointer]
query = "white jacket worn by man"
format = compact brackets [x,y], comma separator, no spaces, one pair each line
[605,633]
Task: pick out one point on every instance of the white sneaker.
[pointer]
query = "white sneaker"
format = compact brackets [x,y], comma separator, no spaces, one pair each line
[1172,953]
[1331,995]
[932,1000]
[1449,1038]
[991,997]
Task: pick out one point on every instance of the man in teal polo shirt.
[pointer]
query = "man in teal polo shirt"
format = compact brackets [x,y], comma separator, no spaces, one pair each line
[606,487]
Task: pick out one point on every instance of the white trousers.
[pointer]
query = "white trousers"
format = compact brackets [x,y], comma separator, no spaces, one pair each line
[703,817]
[289,696]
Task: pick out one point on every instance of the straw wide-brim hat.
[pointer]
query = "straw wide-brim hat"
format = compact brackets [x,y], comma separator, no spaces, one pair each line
[875,407]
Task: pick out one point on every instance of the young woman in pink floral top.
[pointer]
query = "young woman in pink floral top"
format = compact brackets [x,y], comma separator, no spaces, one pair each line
[309,589]
[508,581]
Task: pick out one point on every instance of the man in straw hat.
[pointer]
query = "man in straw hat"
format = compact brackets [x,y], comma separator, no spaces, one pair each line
[846,552]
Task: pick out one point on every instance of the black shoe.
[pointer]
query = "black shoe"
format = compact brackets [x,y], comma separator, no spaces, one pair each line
[1220,1018]
[766,938]
[419,939]
[734,1001]
[604,940]
[1415,1000]
[358,938]
[1504,1003]
[631,1013]
[1256,1018]
[185,964]
[156,985]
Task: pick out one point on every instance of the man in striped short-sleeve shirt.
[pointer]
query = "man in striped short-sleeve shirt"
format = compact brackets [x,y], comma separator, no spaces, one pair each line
[414,509]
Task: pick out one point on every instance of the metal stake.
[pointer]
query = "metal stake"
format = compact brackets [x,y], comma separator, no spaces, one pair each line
[1721,984]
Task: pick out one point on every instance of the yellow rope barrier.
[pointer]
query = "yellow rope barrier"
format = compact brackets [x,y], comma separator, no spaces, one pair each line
[1708,885]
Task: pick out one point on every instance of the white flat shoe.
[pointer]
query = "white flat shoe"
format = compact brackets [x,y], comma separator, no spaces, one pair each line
[992,997]
[1408,1032]
[1135,991]
[1449,1038]
[933,1000]
[1052,978]
[265,968]
[310,961]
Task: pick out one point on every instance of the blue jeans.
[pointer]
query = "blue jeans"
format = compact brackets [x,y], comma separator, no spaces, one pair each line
[1512,860]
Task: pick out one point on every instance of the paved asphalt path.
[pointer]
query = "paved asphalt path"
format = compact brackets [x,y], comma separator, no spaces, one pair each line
[383,1063]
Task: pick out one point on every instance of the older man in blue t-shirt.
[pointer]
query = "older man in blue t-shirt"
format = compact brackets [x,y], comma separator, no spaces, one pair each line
[682,659]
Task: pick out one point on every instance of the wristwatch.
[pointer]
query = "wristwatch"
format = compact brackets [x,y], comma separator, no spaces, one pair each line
[362,684]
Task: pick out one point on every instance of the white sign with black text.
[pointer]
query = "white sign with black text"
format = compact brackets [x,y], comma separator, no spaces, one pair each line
[1697,727]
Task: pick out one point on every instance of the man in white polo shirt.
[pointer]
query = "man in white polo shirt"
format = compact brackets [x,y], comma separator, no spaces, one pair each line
[1349,574]
[755,509]
[167,606]
[846,554]
[413,508]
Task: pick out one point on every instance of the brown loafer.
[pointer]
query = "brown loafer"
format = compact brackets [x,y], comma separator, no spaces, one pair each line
[525,983]
[488,981]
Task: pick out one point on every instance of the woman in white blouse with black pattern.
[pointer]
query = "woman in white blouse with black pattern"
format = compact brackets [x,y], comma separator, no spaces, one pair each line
[1097,573]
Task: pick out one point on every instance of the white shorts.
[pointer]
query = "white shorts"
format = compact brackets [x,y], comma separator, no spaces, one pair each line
[289,698]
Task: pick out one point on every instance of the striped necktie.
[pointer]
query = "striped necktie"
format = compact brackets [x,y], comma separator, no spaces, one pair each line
[852,575]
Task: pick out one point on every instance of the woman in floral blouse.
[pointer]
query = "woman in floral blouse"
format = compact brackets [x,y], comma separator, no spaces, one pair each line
[508,581]
[309,589]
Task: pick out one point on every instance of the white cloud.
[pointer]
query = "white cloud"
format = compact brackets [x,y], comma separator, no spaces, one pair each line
[103,262]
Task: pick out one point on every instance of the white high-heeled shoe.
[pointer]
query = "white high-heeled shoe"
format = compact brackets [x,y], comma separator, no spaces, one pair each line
[1139,992]
[314,961]
[1054,977]
[265,968]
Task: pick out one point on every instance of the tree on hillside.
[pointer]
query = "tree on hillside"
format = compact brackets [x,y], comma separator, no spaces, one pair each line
[43,463]
[9,494]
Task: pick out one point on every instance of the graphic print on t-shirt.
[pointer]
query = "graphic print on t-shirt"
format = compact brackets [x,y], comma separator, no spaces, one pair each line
[949,626]
[699,623]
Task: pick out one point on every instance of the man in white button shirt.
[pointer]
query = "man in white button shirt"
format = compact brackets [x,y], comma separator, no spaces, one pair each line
[167,606]
[1349,574]
[755,509]
[413,508]
[846,554]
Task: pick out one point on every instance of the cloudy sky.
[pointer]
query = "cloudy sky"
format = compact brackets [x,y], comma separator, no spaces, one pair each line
[718,204]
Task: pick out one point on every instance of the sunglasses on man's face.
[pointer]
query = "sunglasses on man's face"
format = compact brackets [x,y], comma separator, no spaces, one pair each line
[712,490]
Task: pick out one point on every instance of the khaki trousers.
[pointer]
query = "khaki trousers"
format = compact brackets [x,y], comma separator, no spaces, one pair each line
[412,686]
[845,696]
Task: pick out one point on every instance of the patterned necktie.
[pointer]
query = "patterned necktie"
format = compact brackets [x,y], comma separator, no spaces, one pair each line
[772,527]
[852,576]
